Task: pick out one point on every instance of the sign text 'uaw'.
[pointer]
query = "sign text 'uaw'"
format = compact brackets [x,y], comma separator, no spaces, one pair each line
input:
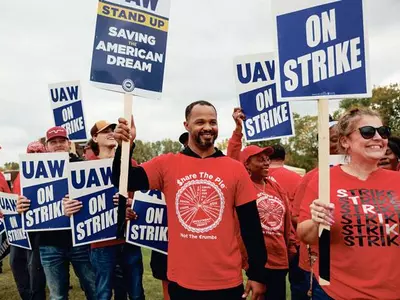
[90,183]
[66,103]
[16,235]
[44,181]
[266,118]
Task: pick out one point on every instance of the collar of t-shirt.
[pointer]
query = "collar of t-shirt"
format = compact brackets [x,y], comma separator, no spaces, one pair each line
[187,151]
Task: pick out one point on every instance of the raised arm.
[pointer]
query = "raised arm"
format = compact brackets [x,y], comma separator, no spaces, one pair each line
[137,177]
[235,142]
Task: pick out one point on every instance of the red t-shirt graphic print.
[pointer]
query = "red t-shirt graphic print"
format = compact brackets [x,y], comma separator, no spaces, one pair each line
[201,195]
[199,205]
[365,243]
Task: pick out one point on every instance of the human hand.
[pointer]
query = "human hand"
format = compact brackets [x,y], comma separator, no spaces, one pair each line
[257,290]
[238,116]
[122,133]
[130,214]
[322,213]
[71,206]
[23,204]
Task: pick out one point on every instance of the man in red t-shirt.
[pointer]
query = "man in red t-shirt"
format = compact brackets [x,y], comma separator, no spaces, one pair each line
[203,188]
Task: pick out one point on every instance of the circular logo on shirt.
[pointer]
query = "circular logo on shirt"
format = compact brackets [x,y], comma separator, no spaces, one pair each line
[271,211]
[128,85]
[199,205]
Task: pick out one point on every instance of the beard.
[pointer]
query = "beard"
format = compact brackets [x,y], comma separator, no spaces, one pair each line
[205,143]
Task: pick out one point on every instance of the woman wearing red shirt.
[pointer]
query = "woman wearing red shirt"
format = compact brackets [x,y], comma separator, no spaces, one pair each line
[363,214]
[273,208]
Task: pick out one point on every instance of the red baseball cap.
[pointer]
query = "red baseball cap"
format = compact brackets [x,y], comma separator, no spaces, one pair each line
[35,147]
[254,150]
[56,131]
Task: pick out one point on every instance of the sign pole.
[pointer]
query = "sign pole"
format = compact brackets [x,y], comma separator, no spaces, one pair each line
[324,189]
[125,161]
[73,147]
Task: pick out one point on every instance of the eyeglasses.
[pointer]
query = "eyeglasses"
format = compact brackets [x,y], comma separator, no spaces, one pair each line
[368,132]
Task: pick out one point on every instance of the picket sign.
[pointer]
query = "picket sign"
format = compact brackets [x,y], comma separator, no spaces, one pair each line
[324,188]
[125,161]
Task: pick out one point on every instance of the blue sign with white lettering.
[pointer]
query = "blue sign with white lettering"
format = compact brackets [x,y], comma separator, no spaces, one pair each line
[44,182]
[266,118]
[150,230]
[97,220]
[66,102]
[130,46]
[90,183]
[322,51]
[12,221]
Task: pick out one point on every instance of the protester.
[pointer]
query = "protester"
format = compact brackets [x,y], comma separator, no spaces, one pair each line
[299,273]
[273,208]
[25,264]
[202,188]
[118,265]
[56,249]
[390,160]
[362,261]
[91,150]
[287,179]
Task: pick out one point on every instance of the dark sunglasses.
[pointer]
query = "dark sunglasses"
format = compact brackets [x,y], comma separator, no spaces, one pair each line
[368,132]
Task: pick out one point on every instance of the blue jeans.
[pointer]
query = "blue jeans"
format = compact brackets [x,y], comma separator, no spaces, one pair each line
[55,262]
[28,271]
[299,280]
[317,292]
[108,263]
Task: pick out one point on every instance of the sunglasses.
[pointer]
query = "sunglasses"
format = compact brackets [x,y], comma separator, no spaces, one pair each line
[368,132]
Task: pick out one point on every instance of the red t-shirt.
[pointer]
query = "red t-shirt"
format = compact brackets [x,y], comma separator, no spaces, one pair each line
[365,242]
[276,225]
[201,195]
[287,179]
[3,184]
[304,259]
[17,185]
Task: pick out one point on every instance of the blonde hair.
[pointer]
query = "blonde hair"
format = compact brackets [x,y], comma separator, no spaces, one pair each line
[347,123]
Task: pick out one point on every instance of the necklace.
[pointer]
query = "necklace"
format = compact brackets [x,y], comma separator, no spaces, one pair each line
[258,188]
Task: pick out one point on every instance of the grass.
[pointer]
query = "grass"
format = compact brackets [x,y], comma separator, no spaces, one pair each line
[152,287]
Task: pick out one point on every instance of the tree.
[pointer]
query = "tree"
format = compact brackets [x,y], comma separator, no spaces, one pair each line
[385,99]
[302,149]
[11,166]
[145,151]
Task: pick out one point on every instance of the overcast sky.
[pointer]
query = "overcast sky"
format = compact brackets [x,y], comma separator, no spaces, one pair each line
[51,41]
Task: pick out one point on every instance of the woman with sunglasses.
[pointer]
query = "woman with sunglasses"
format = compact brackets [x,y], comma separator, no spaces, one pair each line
[363,214]
[273,208]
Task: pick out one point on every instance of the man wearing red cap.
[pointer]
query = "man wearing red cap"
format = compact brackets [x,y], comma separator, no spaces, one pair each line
[118,265]
[203,189]
[56,249]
